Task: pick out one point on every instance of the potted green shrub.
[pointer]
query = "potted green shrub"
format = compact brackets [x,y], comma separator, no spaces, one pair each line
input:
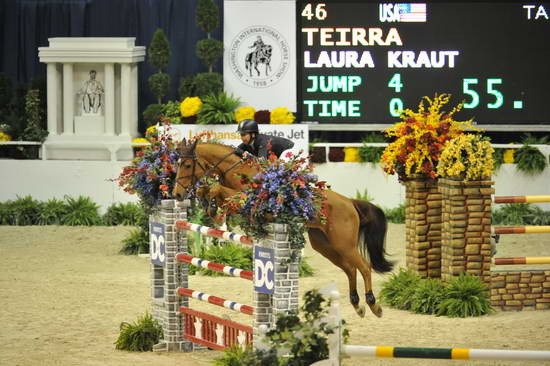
[218,109]
[371,154]
[530,160]
[209,51]
[34,130]
[159,83]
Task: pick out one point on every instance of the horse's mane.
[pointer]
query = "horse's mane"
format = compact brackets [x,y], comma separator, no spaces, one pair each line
[216,143]
[188,148]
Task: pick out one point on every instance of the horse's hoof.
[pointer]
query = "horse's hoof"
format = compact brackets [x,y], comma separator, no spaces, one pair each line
[377,310]
[360,311]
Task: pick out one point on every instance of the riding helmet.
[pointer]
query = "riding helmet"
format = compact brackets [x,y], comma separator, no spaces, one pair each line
[247,126]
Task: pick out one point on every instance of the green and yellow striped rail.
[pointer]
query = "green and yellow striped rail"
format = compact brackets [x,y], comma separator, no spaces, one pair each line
[443,353]
[337,349]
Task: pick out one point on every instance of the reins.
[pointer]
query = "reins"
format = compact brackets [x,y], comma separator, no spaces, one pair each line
[194,180]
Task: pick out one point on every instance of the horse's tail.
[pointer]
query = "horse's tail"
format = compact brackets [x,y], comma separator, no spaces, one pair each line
[372,228]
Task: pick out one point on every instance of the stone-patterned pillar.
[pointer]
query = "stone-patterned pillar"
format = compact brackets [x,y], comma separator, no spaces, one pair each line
[466,237]
[423,227]
[287,272]
[520,290]
[166,279]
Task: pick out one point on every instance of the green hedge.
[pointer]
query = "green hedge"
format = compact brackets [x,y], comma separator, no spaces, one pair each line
[69,211]
[463,296]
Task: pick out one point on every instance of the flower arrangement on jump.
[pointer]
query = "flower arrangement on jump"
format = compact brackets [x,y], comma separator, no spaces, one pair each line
[467,156]
[420,137]
[152,173]
[283,191]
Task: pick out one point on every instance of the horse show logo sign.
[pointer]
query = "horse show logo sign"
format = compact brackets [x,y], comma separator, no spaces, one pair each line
[259,56]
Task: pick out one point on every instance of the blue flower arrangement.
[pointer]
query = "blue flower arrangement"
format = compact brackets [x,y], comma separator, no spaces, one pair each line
[152,173]
[283,192]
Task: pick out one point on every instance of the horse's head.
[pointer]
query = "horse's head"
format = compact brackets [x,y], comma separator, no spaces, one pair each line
[189,169]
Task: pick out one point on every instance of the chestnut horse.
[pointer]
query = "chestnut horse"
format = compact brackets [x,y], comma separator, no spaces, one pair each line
[352,228]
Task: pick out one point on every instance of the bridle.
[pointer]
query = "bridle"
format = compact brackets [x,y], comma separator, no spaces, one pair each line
[207,170]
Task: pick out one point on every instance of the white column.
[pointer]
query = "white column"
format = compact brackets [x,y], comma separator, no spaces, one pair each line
[125,99]
[109,99]
[52,97]
[68,100]
[134,120]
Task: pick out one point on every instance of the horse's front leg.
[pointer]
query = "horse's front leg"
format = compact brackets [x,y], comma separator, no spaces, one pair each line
[220,193]
[214,196]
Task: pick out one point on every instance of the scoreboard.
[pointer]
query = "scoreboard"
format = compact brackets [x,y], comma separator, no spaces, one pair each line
[362,62]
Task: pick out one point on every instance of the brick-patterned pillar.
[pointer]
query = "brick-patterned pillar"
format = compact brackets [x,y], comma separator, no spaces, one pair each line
[286,271]
[423,227]
[520,290]
[466,234]
[166,279]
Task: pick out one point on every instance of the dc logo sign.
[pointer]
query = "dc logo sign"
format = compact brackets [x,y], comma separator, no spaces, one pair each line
[157,244]
[264,275]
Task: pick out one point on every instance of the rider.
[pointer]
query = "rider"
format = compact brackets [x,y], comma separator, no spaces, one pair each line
[256,143]
[258,45]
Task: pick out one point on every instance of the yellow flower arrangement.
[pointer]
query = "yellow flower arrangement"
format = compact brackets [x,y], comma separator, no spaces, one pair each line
[467,156]
[151,133]
[190,106]
[281,116]
[420,137]
[243,113]
[509,156]
[151,130]
[351,154]
[4,136]
[140,140]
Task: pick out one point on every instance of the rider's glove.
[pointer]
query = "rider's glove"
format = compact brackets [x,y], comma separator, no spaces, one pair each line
[239,152]
[243,154]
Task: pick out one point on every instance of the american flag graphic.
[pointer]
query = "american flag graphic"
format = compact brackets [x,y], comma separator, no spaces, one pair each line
[412,12]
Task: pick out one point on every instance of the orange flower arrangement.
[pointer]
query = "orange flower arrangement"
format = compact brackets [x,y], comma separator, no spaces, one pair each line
[420,137]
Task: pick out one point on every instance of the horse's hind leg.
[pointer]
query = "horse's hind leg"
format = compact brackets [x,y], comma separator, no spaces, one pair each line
[365,270]
[346,246]
[319,242]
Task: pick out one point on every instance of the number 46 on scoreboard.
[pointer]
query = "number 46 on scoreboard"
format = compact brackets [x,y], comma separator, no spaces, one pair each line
[319,13]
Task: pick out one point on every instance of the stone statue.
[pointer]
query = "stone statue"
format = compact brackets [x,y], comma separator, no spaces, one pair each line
[92,95]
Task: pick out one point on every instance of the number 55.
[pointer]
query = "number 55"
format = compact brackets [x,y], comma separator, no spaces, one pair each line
[499,98]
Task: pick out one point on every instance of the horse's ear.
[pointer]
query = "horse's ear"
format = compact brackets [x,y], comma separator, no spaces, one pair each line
[182,144]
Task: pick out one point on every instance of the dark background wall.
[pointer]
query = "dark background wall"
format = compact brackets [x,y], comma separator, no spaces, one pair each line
[26,25]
